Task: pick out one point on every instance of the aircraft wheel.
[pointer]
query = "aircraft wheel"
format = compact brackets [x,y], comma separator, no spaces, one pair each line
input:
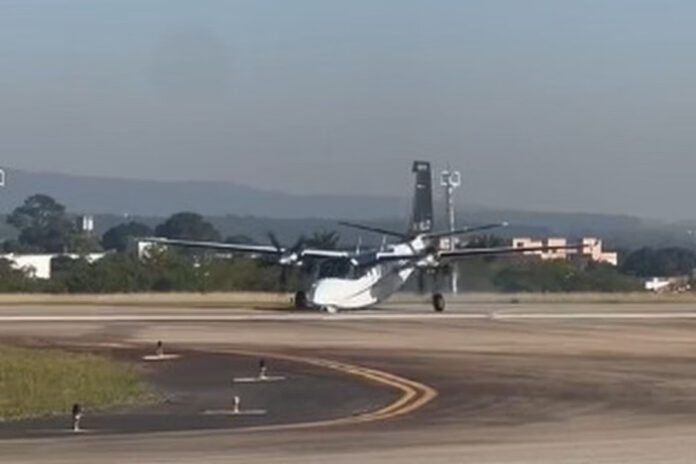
[300,300]
[438,302]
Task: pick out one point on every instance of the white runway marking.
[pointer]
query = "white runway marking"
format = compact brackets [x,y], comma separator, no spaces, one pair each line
[346,317]
[238,317]
[269,378]
[231,412]
[160,357]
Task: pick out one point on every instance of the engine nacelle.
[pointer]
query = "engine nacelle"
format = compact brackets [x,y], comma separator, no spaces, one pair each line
[429,261]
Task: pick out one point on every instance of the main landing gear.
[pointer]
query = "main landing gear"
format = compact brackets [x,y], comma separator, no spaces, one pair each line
[300,300]
[438,302]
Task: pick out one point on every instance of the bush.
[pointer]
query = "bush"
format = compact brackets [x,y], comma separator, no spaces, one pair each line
[563,277]
[648,262]
[162,272]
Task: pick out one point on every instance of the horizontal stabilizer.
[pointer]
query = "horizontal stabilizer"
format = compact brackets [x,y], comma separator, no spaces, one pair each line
[465,230]
[377,230]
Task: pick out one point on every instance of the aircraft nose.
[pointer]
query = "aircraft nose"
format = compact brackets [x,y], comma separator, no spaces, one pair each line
[318,294]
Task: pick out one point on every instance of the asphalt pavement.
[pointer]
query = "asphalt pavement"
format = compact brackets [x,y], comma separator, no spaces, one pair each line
[605,383]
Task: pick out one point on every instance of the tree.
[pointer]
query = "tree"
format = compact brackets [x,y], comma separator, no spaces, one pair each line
[119,237]
[562,276]
[43,225]
[648,262]
[187,226]
[14,280]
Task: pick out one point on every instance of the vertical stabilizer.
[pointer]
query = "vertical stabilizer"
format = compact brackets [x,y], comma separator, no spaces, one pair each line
[422,216]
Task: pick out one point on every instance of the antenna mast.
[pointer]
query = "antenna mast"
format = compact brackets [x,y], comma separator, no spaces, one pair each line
[450,180]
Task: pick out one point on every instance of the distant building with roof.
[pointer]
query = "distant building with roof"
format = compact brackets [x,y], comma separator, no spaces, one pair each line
[591,249]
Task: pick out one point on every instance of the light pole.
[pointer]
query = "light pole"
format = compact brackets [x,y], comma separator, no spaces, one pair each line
[450,180]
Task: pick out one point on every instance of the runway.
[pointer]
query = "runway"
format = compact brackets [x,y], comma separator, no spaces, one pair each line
[515,383]
[412,312]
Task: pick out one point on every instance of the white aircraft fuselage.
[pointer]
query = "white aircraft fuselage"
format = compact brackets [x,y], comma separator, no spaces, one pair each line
[376,283]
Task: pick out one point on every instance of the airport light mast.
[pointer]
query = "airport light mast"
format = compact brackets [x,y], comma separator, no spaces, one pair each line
[450,180]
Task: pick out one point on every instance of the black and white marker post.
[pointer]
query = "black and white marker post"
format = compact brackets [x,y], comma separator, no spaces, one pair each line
[76,416]
[262,369]
[236,401]
[262,376]
[159,354]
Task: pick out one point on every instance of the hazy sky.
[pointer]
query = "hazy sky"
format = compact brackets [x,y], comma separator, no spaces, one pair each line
[580,105]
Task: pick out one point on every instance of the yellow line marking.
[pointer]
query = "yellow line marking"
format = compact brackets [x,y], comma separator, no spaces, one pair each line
[414,396]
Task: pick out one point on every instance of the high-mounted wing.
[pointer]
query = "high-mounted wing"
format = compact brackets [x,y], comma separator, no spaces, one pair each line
[328,254]
[268,250]
[471,252]
[467,252]
[220,246]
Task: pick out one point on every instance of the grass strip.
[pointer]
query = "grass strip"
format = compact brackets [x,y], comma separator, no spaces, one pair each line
[39,382]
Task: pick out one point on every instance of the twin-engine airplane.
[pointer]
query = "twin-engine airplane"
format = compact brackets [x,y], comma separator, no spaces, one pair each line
[374,275]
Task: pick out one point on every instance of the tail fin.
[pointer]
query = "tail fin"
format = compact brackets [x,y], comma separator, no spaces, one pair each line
[422,216]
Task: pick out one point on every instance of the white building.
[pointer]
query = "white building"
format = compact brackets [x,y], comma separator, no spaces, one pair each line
[38,266]
[86,224]
[591,249]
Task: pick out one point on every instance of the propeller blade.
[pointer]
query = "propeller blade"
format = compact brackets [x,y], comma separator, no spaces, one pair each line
[274,241]
[299,244]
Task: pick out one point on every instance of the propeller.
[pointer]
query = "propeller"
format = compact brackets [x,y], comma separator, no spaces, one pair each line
[287,257]
[274,241]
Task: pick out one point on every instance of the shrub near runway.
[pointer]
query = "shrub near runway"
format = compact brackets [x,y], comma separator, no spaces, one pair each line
[37,382]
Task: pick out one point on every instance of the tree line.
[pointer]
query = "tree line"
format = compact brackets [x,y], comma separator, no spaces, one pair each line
[45,226]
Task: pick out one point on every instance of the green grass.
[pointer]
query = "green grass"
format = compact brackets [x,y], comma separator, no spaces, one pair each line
[38,382]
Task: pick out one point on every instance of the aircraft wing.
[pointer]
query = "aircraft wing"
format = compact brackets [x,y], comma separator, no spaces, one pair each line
[327,254]
[471,252]
[387,256]
[467,252]
[220,246]
[315,253]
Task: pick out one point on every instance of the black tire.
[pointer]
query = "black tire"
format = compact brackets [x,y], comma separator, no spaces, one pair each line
[300,300]
[438,302]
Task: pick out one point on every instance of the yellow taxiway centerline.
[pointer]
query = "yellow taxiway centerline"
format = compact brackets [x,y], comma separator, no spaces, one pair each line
[414,394]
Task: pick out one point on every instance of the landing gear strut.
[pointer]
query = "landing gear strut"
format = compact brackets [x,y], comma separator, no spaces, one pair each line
[438,302]
[300,300]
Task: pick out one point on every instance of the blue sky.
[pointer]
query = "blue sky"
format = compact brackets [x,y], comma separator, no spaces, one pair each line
[582,105]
